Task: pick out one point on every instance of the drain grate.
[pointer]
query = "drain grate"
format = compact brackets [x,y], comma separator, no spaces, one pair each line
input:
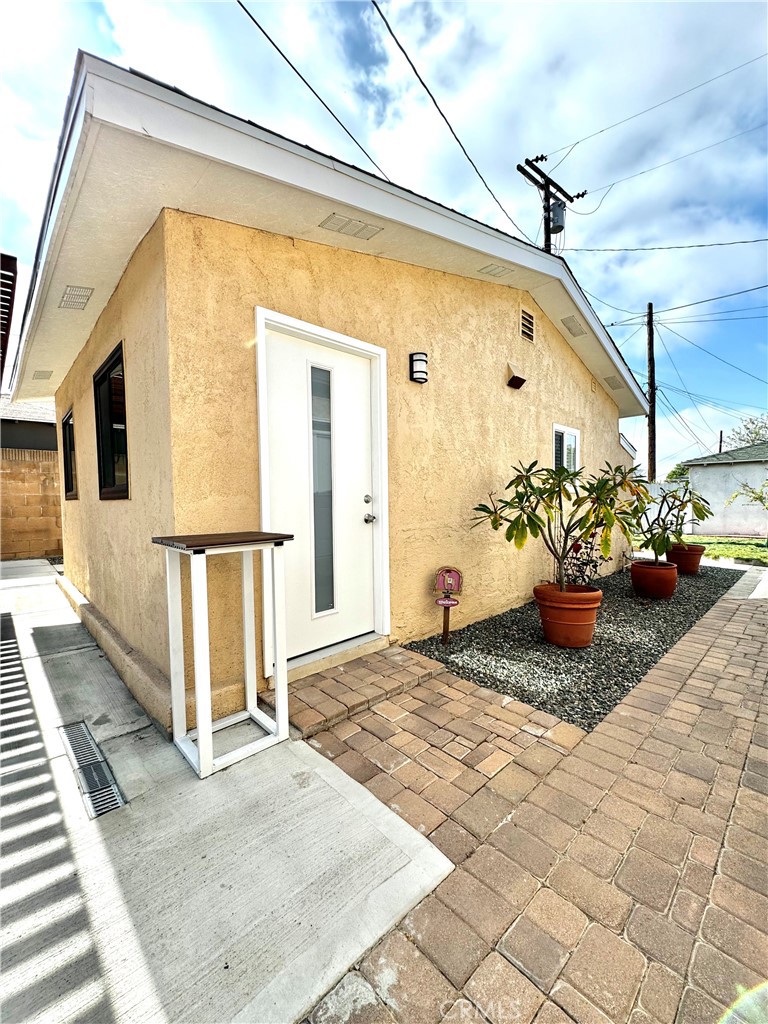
[81,746]
[98,785]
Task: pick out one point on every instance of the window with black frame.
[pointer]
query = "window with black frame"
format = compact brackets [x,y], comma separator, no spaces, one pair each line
[111,436]
[70,463]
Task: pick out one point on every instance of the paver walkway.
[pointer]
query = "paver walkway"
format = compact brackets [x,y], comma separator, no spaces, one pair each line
[610,877]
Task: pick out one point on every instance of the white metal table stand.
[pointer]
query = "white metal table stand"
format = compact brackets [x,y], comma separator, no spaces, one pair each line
[197,744]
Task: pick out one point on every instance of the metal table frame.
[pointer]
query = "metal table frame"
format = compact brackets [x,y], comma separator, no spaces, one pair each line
[197,744]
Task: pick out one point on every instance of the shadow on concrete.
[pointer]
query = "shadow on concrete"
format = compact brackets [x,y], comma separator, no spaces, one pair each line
[51,967]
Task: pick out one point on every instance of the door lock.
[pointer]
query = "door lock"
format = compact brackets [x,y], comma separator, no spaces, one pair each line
[367,499]
[368,518]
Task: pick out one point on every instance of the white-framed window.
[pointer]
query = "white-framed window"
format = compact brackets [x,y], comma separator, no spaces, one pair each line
[566,446]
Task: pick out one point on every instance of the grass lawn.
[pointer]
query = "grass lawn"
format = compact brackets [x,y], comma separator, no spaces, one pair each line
[734,547]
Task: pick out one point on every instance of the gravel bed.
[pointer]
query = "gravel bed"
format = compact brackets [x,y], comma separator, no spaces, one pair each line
[508,653]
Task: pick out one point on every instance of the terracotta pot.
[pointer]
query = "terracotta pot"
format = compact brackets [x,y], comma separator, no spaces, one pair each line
[686,557]
[653,579]
[568,617]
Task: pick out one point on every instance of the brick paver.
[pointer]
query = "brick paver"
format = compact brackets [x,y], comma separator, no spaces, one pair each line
[619,877]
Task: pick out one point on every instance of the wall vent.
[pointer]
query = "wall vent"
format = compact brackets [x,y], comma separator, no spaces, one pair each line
[75,297]
[573,326]
[613,383]
[349,226]
[495,270]
[42,375]
[526,324]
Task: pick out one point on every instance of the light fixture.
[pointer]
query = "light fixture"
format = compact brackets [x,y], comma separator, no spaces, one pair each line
[417,362]
[514,380]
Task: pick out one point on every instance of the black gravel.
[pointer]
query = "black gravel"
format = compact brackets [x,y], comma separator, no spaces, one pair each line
[508,653]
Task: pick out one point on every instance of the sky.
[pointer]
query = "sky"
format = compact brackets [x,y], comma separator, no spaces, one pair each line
[515,80]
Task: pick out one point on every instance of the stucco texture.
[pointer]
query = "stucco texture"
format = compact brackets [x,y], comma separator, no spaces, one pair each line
[185,311]
[717,483]
[108,553]
[450,442]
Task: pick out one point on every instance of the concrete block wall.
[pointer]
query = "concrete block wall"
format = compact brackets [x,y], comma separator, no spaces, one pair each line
[30,504]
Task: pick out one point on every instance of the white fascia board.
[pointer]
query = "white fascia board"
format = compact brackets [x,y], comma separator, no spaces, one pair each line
[75,144]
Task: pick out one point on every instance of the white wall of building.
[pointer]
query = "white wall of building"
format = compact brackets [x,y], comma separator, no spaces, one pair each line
[717,483]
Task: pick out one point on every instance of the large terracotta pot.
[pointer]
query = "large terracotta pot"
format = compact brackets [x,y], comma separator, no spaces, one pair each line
[568,617]
[686,557]
[653,579]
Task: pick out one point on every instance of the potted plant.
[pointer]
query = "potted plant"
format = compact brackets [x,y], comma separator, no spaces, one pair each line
[688,556]
[566,509]
[660,523]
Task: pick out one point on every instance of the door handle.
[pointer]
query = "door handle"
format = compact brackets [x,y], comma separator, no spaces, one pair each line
[368,518]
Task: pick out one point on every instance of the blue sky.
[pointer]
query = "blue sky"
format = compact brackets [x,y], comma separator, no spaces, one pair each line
[515,80]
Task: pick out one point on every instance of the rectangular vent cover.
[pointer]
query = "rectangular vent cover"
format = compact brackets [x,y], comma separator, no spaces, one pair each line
[349,226]
[42,375]
[494,270]
[613,383]
[75,297]
[98,786]
[573,326]
[526,324]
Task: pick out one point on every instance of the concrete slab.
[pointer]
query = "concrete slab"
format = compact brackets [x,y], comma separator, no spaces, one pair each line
[26,572]
[243,897]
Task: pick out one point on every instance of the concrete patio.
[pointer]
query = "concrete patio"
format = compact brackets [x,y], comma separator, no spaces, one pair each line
[243,897]
[616,876]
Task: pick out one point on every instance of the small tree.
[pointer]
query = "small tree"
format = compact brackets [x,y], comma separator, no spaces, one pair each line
[678,472]
[661,521]
[751,430]
[754,495]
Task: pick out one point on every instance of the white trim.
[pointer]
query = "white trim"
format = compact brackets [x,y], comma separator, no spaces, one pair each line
[567,430]
[268,319]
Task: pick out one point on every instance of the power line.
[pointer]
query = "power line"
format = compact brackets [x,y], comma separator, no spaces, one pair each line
[676,413]
[311,89]
[654,107]
[685,389]
[719,358]
[604,303]
[586,213]
[656,248]
[685,305]
[712,401]
[736,309]
[401,48]
[684,156]
[630,336]
[714,320]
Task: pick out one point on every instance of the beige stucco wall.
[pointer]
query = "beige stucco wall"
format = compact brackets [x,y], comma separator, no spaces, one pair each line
[184,311]
[107,546]
[450,441]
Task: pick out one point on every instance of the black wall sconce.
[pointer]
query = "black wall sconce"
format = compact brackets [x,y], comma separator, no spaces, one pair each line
[417,366]
[514,381]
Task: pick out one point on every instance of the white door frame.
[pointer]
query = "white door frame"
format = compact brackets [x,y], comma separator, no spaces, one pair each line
[269,319]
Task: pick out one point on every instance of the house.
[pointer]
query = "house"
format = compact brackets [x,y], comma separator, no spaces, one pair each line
[30,510]
[235,327]
[717,477]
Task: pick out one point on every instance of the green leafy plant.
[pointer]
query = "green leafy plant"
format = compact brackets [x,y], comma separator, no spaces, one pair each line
[565,508]
[754,495]
[662,520]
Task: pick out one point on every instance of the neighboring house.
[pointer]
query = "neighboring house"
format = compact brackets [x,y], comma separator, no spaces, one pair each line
[718,476]
[30,504]
[227,320]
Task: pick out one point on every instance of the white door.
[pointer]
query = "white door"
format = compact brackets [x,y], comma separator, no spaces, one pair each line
[320,488]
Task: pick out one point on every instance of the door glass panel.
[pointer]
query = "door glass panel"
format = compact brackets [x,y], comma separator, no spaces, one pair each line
[322,487]
[570,451]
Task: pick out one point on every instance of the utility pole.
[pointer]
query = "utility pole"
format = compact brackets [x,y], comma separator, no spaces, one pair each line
[651,399]
[720,449]
[550,189]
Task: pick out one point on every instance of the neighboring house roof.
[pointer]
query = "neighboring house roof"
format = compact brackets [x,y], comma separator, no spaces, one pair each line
[199,159]
[749,453]
[27,412]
